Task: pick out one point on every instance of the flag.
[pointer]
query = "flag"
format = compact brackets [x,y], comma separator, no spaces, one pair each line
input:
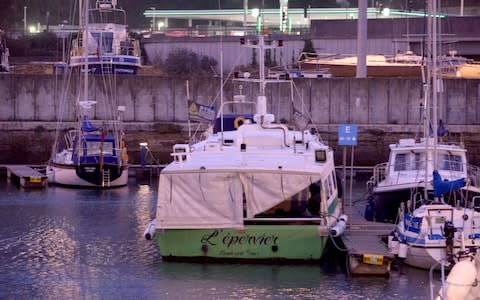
[199,112]
[300,120]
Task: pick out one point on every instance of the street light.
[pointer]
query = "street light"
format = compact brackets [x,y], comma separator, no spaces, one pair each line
[153,20]
[24,19]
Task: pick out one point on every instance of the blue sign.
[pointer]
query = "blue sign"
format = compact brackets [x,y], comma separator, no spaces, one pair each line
[347,134]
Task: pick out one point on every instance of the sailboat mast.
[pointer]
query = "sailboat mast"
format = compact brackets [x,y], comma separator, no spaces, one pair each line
[431,93]
[434,81]
[84,20]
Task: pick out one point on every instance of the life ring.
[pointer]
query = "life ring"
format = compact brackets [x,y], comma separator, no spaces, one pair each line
[238,122]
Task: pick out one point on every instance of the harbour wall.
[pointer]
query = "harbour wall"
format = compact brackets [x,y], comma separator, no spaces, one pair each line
[385,109]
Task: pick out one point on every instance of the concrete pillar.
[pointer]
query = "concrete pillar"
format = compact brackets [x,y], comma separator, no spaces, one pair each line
[362,39]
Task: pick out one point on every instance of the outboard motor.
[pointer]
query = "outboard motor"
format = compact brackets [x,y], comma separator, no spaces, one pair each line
[449,233]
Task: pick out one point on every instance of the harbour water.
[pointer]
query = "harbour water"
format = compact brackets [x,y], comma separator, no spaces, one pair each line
[59,243]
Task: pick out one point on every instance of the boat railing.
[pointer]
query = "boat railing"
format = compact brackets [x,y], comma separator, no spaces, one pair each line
[473,173]
[379,173]
[128,47]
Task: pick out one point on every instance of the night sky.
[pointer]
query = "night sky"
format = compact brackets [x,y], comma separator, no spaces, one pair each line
[55,11]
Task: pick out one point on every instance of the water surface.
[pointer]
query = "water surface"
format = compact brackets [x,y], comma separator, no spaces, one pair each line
[59,243]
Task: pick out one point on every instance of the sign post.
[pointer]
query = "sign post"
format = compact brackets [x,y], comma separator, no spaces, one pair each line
[347,136]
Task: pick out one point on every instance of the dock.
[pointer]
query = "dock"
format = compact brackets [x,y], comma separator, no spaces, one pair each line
[26,176]
[365,240]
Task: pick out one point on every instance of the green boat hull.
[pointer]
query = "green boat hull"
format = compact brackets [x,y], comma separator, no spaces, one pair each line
[255,242]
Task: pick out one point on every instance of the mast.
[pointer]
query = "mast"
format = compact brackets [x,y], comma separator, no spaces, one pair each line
[431,93]
[84,22]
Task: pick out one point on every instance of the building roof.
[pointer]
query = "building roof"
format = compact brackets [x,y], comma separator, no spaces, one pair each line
[273,16]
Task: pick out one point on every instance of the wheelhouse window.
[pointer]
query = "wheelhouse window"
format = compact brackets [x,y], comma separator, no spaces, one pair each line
[400,162]
[451,162]
[411,161]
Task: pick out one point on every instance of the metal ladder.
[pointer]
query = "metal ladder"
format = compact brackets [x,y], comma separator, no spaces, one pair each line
[106,178]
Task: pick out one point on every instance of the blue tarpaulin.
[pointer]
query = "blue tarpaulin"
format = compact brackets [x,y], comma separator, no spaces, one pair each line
[87,126]
[441,187]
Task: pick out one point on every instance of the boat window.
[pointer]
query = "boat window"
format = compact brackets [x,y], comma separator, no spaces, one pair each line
[451,162]
[104,41]
[93,148]
[327,189]
[330,189]
[419,162]
[400,162]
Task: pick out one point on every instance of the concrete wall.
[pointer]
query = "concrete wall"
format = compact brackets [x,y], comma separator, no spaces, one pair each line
[329,101]
[385,109]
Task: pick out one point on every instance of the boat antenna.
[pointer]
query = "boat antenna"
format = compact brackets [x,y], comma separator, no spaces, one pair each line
[84,20]
[221,74]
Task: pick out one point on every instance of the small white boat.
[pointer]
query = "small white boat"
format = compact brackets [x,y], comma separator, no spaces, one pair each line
[408,174]
[431,231]
[107,44]
[93,154]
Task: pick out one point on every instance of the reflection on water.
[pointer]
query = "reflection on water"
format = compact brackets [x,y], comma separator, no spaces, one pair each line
[60,243]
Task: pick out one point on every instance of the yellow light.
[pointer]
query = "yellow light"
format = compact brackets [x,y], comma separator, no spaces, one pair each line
[32,29]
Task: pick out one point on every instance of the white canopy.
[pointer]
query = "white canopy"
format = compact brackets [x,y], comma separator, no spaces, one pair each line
[203,199]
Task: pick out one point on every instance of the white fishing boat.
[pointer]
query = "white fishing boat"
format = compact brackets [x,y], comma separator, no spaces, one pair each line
[435,221]
[253,190]
[408,175]
[108,47]
[93,153]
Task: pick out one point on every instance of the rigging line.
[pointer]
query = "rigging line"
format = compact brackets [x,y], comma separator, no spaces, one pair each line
[197,129]
[304,109]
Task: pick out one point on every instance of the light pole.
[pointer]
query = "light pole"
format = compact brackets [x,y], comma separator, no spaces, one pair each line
[24,20]
[153,18]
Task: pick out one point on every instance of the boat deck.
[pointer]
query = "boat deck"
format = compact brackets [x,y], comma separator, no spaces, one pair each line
[26,176]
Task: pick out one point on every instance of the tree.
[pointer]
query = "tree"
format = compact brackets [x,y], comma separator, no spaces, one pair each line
[186,62]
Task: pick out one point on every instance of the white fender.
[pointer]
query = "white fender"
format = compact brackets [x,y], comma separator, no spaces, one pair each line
[339,228]
[402,250]
[149,232]
[461,279]
[393,245]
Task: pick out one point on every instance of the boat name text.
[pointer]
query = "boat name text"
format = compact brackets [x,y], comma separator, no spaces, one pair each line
[230,239]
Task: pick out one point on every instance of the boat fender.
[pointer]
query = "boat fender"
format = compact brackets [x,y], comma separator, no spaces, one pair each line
[461,280]
[391,236]
[339,228]
[369,209]
[393,245]
[150,230]
[402,250]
